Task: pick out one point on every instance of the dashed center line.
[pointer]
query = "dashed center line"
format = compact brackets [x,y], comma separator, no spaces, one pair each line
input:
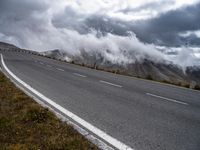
[60,69]
[80,75]
[116,85]
[168,99]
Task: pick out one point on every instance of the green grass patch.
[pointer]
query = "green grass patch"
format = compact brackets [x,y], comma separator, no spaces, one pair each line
[25,125]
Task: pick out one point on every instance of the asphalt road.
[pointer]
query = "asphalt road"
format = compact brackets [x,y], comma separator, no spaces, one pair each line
[142,114]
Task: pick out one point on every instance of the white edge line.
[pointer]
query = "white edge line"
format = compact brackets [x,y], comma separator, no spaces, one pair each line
[114,142]
[110,83]
[168,99]
[80,75]
[102,145]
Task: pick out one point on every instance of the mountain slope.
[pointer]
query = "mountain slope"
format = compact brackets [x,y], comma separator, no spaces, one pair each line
[4,45]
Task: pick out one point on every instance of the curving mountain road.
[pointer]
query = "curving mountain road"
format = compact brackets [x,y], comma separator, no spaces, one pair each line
[142,114]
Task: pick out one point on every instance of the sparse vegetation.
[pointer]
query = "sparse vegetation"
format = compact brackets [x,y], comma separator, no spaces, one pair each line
[24,124]
[149,77]
[197,87]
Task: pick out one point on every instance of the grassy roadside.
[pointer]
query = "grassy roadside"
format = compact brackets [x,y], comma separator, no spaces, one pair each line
[24,124]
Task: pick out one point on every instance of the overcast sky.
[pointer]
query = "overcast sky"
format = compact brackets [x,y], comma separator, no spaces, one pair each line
[144,28]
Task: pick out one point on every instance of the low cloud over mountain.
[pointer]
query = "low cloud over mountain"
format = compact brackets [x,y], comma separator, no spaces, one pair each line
[122,32]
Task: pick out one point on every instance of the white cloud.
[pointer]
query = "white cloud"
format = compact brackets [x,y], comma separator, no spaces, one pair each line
[34,28]
[112,8]
[189,33]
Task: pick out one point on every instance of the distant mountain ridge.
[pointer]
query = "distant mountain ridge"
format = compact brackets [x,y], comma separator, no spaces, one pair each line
[4,45]
[11,47]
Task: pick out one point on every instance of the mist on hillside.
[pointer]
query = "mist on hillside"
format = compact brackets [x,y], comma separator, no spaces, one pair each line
[122,39]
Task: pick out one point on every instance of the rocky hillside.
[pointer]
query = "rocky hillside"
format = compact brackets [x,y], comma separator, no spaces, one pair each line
[10,47]
[7,46]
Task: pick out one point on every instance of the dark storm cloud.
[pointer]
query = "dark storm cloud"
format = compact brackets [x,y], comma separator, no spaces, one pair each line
[191,40]
[87,23]
[165,29]
[45,24]
[18,18]
[162,30]
[12,10]
[69,19]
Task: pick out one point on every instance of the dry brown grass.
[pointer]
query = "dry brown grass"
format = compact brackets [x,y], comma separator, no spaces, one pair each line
[24,124]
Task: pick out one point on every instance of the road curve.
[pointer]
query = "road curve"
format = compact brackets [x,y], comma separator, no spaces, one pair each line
[142,114]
